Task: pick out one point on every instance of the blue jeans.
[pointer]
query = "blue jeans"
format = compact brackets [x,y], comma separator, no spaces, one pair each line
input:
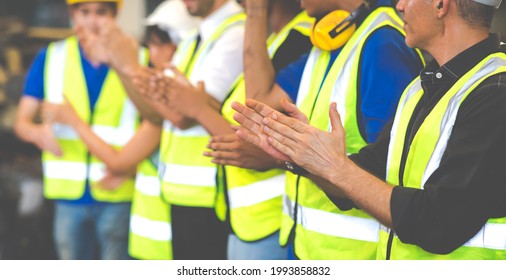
[267,248]
[81,229]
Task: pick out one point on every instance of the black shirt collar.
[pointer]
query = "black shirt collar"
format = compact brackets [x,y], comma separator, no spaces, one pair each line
[460,64]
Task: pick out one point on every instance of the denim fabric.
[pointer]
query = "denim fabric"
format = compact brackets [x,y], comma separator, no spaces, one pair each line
[263,249]
[84,232]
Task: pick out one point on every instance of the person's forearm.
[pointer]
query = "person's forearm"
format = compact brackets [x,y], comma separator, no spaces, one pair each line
[177,119]
[142,106]
[365,190]
[27,130]
[213,121]
[259,72]
[100,149]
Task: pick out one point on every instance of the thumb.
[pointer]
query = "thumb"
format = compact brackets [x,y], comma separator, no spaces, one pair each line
[201,86]
[293,111]
[335,118]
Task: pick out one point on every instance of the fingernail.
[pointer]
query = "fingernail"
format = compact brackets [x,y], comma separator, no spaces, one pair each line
[265,121]
[266,129]
[274,117]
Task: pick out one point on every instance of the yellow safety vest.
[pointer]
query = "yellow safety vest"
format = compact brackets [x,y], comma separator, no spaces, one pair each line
[424,157]
[150,228]
[322,231]
[189,178]
[255,197]
[114,120]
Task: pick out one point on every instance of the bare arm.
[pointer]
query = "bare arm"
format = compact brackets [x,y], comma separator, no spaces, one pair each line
[145,109]
[259,73]
[122,161]
[37,134]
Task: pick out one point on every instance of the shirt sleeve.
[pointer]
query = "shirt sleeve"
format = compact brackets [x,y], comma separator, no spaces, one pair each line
[34,82]
[223,64]
[386,69]
[295,45]
[289,77]
[468,186]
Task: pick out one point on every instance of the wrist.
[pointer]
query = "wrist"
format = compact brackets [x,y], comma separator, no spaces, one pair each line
[295,169]
[341,174]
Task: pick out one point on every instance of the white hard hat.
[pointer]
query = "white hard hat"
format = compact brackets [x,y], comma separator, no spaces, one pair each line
[492,3]
[173,17]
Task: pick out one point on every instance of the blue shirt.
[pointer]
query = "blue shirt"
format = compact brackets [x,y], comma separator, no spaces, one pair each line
[386,68]
[95,77]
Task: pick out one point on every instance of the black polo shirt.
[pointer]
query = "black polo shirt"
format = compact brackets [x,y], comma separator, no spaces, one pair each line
[469,187]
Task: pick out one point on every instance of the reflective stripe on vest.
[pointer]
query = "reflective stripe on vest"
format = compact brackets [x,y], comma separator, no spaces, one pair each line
[189,178]
[424,157]
[150,228]
[114,120]
[255,197]
[355,233]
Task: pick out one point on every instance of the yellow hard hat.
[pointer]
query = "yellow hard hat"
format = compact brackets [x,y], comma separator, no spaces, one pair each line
[72,2]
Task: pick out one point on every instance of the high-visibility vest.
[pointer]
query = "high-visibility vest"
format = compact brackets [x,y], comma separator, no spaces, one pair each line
[189,178]
[322,231]
[114,120]
[424,157]
[150,227]
[254,198]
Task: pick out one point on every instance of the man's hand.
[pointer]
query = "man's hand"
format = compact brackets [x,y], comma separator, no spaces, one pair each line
[45,140]
[230,150]
[151,84]
[61,113]
[110,46]
[315,150]
[252,128]
[183,97]
[111,181]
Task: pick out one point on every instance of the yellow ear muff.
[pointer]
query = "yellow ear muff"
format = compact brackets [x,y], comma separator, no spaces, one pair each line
[331,32]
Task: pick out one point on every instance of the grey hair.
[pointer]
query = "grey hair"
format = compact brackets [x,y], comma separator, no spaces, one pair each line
[475,14]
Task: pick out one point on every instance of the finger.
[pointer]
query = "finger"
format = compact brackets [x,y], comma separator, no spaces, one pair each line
[286,140]
[227,138]
[228,162]
[290,122]
[248,136]
[201,86]
[274,128]
[247,112]
[335,118]
[220,155]
[284,149]
[260,107]
[247,123]
[292,110]
[54,148]
[222,147]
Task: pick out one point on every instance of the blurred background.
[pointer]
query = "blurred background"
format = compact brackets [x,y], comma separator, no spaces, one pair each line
[25,27]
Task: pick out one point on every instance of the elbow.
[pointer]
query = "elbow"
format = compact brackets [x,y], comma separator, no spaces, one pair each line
[441,247]
[154,119]
[19,131]
[121,168]
[183,122]
[439,241]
